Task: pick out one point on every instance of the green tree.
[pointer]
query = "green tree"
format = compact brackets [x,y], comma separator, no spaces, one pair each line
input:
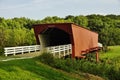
[81,20]
[95,23]
[30,37]
[2,39]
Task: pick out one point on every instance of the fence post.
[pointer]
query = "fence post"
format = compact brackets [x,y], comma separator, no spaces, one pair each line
[22,50]
[5,50]
[35,48]
[63,51]
[53,51]
[29,49]
[59,50]
[6,55]
[14,51]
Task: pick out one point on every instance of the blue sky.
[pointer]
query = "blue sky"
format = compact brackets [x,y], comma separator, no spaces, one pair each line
[38,9]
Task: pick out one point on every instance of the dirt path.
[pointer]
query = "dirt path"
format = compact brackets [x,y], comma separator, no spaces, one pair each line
[20,56]
[33,54]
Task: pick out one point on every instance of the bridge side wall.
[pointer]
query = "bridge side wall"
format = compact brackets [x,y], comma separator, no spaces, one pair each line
[84,40]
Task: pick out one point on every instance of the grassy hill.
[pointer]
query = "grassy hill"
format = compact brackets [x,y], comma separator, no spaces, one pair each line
[31,69]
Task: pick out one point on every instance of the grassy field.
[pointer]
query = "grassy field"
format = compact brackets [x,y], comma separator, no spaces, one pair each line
[112,57]
[113,53]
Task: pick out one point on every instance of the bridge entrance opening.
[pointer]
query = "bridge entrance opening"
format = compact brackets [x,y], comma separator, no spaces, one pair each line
[53,37]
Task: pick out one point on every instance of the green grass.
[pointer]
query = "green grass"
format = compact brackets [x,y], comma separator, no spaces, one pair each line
[31,69]
[112,57]
[2,57]
[113,52]
[33,54]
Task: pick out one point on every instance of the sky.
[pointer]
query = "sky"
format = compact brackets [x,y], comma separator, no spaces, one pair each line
[39,9]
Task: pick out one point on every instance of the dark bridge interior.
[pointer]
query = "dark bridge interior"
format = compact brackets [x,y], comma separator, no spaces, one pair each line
[54,37]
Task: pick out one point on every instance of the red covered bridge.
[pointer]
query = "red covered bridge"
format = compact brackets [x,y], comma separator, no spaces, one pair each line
[82,40]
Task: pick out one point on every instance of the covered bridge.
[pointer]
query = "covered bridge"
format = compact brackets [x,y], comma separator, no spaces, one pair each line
[81,39]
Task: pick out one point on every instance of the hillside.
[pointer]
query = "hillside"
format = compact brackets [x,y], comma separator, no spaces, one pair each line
[62,69]
[31,69]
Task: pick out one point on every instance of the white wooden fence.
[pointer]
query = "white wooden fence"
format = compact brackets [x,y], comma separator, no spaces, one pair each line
[60,50]
[21,49]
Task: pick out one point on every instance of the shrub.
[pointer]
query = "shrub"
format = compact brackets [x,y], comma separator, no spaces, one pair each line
[61,64]
[103,69]
[47,58]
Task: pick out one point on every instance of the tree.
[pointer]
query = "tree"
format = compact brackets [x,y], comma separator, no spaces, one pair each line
[30,37]
[81,20]
[2,39]
[95,23]
[69,18]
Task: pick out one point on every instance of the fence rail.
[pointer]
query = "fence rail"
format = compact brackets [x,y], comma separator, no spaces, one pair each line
[60,50]
[21,49]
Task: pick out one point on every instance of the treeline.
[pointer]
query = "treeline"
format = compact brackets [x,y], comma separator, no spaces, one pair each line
[18,31]
[108,26]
